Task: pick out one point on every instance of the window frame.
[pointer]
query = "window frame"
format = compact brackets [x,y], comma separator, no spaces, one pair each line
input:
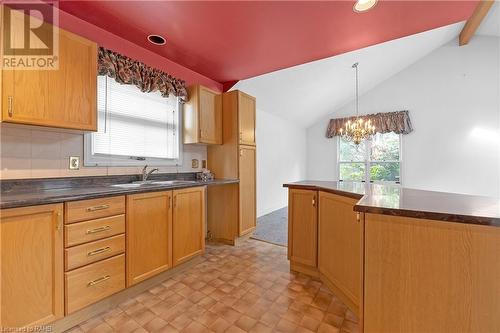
[109,160]
[368,162]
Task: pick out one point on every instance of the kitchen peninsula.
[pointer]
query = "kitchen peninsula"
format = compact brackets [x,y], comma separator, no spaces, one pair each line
[400,258]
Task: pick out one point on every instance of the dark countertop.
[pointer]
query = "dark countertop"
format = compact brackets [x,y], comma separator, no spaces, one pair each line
[21,195]
[399,201]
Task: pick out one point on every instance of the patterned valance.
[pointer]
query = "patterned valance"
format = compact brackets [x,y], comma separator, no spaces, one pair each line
[148,79]
[397,122]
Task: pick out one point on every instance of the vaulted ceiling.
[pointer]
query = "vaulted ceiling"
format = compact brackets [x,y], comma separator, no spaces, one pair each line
[491,23]
[235,40]
[306,93]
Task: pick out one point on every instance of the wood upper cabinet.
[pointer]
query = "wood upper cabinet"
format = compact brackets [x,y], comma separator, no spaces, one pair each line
[246,119]
[247,163]
[64,97]
[303,227]
[340,247]
[202,117]
[188,223]
[149,235]
[31,265]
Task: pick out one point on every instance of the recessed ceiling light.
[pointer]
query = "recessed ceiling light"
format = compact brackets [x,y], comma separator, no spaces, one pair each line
[157,40]
[364,5]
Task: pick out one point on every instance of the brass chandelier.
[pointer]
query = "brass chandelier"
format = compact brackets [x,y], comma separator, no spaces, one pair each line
[358,129]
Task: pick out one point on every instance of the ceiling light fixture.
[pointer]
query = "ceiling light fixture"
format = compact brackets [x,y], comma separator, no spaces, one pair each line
[364,5]
[157,40]
[358,129]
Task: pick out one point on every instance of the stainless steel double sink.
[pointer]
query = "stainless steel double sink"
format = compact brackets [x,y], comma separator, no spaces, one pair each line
[154,183]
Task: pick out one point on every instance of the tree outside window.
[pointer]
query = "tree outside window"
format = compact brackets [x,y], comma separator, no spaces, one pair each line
[376,160]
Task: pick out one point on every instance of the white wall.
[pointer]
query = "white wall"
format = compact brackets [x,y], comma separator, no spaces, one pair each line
[281,158]
[453,98]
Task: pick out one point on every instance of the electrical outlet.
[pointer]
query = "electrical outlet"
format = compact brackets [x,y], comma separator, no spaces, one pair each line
[195,163]
[204,164]
[74,162]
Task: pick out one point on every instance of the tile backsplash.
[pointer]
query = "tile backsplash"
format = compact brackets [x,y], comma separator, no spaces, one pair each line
[35,152]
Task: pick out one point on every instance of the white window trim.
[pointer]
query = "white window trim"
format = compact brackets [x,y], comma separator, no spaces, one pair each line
[367,162]
[101,160]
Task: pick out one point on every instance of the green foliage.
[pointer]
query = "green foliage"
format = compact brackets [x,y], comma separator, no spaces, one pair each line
[384,147]
[385,171]
[352,171]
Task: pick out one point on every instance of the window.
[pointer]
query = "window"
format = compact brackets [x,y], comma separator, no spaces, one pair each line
[134,128]
[376,160]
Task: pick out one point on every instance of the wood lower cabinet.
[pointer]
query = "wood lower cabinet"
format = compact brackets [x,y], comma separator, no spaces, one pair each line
[31,265]
[149,235]
[430,276]
[92,283]
[247,195]
[202,116]
[188,227]
[63,97]
[303,229]
[94,245]
[340,248]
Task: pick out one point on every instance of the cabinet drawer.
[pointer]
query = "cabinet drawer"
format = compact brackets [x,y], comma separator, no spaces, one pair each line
[94,282]
[77,211]
[88,231]
[85,254]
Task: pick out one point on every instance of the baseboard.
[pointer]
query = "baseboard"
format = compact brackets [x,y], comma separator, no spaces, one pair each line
[347,300]
[305,269]
[314,272]
[112,301]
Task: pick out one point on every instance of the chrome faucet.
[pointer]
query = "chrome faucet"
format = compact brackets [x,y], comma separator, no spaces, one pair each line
[146,174]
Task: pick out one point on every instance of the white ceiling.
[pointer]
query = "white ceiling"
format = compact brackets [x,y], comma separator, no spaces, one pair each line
[491,23]
[305,93]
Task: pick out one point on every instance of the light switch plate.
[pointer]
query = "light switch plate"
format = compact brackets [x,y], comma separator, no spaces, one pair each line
[74,162]
[195,163]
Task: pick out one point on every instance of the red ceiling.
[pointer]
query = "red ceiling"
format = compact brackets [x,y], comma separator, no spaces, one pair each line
[234,40]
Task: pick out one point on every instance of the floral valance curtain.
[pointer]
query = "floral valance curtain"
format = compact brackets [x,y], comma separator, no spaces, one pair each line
[397,122]
[128,71]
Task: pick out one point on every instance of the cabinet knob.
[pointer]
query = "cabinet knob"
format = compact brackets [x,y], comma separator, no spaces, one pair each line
[314,201]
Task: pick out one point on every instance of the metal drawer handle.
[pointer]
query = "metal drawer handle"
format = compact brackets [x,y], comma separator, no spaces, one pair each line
[95,208]
[98,251]
[10,108]
[96,230]
[97,281]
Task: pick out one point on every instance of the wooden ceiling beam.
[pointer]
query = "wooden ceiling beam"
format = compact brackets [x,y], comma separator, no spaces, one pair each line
[474,21]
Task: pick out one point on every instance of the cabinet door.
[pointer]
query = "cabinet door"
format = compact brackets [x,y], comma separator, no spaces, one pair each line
[246,118]
[202,116]
[210,116]
[302,227]
[31,276]
[149,235]
[64,97]
[340,247]
[248,213]
[189,224]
